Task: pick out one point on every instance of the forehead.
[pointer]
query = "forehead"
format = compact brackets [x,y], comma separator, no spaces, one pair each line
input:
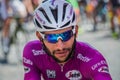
[58,31]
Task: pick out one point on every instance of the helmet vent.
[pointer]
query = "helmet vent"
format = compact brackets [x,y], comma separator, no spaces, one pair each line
[64,9]
[37,23]
[45,15]
[46,27]
[73,19]
[55,13]
[65,24]
[44,1]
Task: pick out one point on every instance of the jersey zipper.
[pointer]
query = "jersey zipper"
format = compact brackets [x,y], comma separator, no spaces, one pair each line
[61,65]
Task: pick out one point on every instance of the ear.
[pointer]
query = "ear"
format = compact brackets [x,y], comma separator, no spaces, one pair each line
[38,35]
[76,30]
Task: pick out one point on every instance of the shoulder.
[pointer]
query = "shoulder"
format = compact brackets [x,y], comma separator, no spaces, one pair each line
[92,60]
[33,53]
[33,48]
[31,59]
[33,42]
[85,50]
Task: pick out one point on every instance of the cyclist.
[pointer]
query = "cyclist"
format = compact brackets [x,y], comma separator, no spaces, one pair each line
[57,55]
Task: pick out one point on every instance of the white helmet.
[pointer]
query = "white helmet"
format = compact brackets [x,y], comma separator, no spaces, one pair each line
[54,15]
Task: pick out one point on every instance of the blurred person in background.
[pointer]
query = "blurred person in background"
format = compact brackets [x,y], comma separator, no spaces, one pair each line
[19,11]
[93,10]
[114,12]
[82,4]
[6,17]
[36,3]
[29,8]
[99,11]
[57,55]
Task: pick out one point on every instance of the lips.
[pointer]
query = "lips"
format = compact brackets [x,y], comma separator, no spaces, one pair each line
[61,53]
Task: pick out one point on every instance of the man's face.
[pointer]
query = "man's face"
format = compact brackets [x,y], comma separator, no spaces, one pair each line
[62,48]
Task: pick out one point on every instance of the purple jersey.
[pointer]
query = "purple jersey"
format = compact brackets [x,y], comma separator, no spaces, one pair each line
[86,64]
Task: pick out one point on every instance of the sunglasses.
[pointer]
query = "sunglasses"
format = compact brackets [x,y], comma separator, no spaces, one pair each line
[53,38]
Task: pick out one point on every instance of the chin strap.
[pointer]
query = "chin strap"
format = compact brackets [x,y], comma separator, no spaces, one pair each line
[69,56]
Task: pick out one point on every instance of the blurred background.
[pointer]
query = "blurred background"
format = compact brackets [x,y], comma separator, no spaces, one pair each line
[99,25]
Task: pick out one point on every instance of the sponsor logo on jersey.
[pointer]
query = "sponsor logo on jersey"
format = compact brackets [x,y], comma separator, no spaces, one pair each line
[103,69]
[102,62]
[38,52]
[73,75]
[83,58]
[26,69]
[51,73]
[27,61]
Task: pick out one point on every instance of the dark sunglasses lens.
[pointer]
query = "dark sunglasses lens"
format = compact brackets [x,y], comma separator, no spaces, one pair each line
[53,38]
[67,35]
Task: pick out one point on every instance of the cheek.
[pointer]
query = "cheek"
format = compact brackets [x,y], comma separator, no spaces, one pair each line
[69,43]
[49,46]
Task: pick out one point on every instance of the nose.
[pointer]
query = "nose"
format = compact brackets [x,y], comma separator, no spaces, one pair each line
[60,44]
